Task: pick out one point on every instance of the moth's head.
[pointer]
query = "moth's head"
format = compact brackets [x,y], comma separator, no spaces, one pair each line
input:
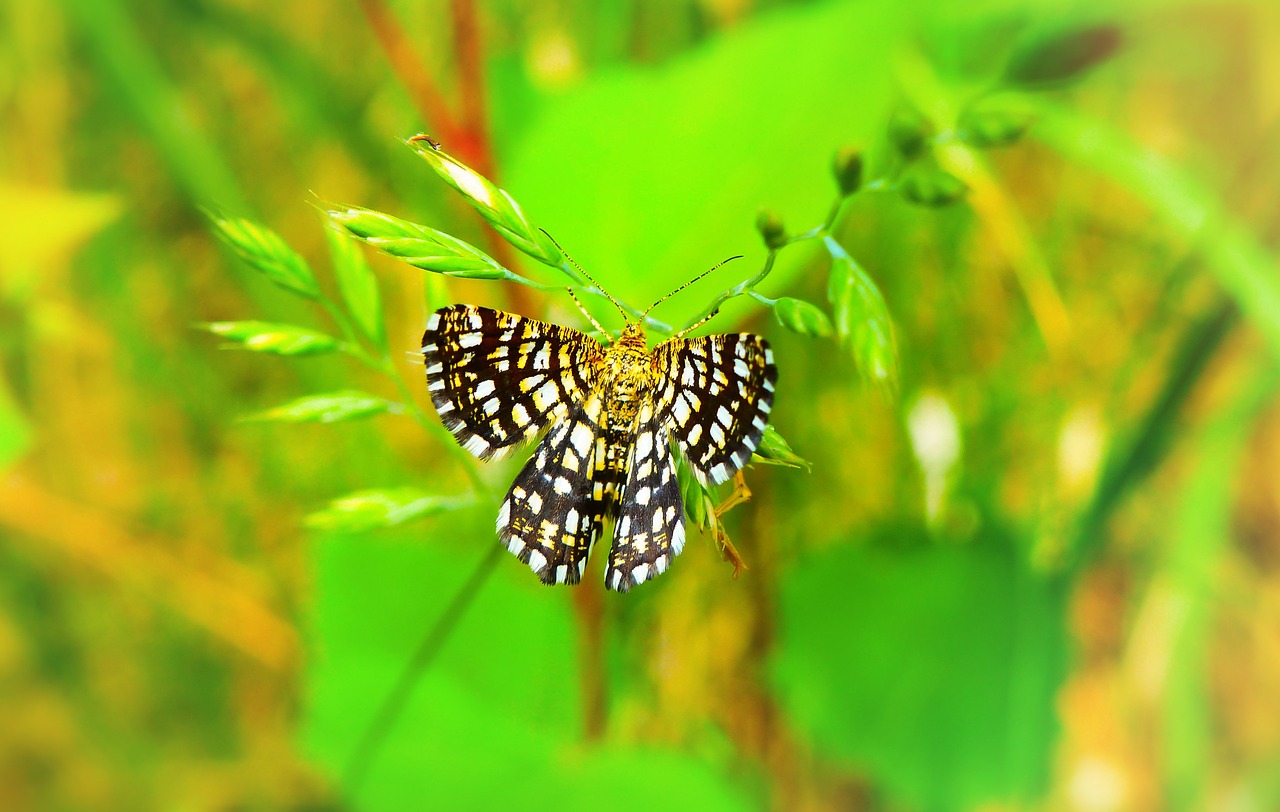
[632,334]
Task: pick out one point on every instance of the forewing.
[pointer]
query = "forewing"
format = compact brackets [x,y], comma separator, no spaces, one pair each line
[497,379]
[715,399]
[649,530]
[550,518]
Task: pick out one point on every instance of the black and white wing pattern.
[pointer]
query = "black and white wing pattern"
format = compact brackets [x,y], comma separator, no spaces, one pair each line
[550,518]
[715,399]
[649,530]
[497,379]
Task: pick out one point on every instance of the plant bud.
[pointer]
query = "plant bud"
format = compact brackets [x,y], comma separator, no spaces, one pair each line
[771,229]
[847,168]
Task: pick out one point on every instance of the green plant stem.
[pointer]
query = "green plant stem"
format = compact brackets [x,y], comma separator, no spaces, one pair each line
[747,287]
[387,366]
[425,654]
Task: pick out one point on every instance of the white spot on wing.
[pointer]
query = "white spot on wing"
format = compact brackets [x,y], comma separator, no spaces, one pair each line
[581,439]
[680,410]
[483,390]
[644,444]
[641,573]
[537,561]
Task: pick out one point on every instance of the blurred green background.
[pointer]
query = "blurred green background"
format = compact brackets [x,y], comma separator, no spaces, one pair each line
[1045,575]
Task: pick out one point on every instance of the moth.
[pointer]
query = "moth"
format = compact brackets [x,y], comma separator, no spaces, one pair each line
[614,416]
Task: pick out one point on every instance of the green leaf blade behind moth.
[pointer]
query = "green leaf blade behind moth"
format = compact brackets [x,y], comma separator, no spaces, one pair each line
[359,288]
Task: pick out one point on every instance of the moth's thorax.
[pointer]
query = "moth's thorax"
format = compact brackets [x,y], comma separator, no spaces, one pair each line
[627,375]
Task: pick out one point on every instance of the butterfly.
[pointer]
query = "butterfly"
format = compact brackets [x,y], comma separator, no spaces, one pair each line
[614,415]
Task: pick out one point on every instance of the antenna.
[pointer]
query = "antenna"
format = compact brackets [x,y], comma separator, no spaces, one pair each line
[590,279]
[687,284]
[587,313]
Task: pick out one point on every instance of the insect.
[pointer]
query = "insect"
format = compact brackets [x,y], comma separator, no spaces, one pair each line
[614,415]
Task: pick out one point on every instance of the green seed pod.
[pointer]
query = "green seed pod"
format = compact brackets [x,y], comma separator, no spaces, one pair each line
[802,317]
[985,126]
[908,131]
[932,187]
[494,204]
[847,168]
[771,229]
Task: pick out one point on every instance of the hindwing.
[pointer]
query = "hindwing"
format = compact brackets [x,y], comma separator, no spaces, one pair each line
[649,530]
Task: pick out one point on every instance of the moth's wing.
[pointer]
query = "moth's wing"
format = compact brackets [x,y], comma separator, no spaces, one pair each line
[550,517]
[715,396]
[649,530]
[497,379]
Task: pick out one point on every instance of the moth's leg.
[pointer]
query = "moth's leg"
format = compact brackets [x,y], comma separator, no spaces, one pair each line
[741,493]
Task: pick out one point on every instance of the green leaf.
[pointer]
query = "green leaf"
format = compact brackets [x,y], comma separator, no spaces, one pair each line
[644,209]
[359,288]
[774,450]
[375,600]
[494,204]
[932,187]
[331,407]
[277,339]
[420,246]
[932,665]
[1062,56]
[802,317]
[862,320]
[698,501]
[386,507]
[268,253]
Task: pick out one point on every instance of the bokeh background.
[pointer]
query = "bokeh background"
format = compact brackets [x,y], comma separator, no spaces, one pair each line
[1045,574]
